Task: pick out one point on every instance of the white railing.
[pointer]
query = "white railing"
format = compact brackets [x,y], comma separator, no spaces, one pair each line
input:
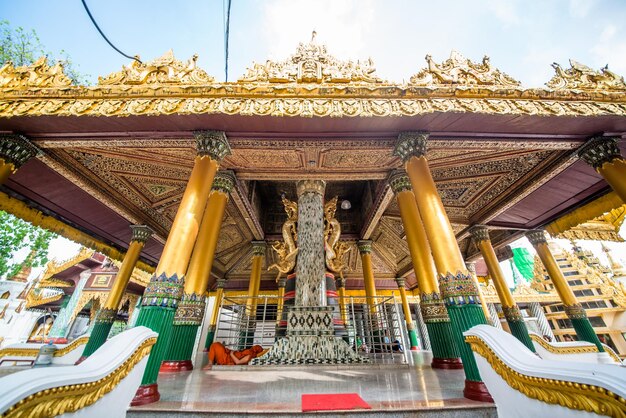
[580,351]
[101,386]
[26,353]
[524,385]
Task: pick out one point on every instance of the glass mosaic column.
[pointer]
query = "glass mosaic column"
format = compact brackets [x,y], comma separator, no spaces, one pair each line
[165,289]
[15,150]
[107,315]
[603,154]
[191,307]
[61,324]
[512,313]
[433,310]
[457,287]
[493,314]
[542,322]
[574,310]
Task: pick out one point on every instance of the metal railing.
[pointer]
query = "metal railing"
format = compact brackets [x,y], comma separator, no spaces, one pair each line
[373,327]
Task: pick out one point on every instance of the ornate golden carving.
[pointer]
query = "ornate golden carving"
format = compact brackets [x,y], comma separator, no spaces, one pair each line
[164,70]
[572,395]
[36,75]
[71,398]
[287,250]
[312,64]
[335,251]
[32,352]
[581,77]
[562,350]
[458,70]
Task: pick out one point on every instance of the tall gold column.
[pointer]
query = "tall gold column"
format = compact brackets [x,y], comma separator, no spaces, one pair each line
[191,307]
[108,313]
[164,290]
[281,282]
[574,310]
[456,284]
[603,154]
[258,256]
[219,295]
[340,283]
[365,249]
[410,327]
[433,310]
[15,150]
[471,269]
[512,313]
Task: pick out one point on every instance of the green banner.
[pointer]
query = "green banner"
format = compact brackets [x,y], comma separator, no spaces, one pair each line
[524,262]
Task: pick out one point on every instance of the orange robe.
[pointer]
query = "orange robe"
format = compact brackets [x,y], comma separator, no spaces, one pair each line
[218,354]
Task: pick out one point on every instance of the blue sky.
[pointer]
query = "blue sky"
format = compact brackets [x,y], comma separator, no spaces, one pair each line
[522,37]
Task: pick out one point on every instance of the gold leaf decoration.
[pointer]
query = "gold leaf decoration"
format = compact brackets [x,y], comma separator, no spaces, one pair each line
[581,77]
[164,70]
[458,70]
[37,74]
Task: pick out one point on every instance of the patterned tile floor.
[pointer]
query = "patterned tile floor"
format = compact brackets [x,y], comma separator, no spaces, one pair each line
[266,390]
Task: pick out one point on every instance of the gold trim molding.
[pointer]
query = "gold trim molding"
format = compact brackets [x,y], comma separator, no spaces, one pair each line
[32,352]
[572,395]
[65,399]
[562,350]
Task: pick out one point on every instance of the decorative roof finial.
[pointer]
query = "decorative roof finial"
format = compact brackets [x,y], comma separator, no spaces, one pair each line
[313,35]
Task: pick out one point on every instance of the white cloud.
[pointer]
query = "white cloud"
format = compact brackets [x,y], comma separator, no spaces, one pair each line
[581,8]
[505,11]
[611,49]
[341,25]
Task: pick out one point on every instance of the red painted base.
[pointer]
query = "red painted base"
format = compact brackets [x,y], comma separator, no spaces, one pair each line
[446,363]
[414,348]
[477,391]
[146,394]
[80,360]
[176,366]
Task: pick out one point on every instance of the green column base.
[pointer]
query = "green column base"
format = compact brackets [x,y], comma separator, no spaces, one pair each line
[413,338]
[181,342]
[98,337]
[462,318]
[519,331]
[442,342]
[159,319]
[585,332]
[209,337]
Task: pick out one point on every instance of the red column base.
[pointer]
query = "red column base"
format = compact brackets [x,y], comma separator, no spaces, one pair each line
[175,366]
[446,363]
[80,360]
[414,348]
[477,391]
[146,394]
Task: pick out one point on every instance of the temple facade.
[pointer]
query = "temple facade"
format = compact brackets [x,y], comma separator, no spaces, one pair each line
[317,181]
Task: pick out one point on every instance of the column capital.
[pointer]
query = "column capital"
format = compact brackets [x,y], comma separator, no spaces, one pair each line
[471,267]
[399,181]
[536,236]
[479,233]
[141,233]
[282,281]
[258,248]
[411,144]
[17,149]
[600,150]
[212,143]
[365,246]
[224,181]
[220,283]
[310,186]
[400,282]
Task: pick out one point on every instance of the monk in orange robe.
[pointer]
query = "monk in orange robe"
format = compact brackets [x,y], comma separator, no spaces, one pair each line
[219,354]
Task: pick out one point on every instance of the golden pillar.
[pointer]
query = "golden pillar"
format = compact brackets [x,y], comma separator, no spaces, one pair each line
[107,315]
[512,313]
[365,249]
[458,289]
[603,154]
[471,268]
[574,310]
[281,282]
[340,283]
[219,296]
[15,150]
[410,327]
[432,308]
[258,256]
[162,294]
[191,307]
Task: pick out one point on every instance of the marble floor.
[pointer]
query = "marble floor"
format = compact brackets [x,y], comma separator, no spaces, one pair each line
[390,389]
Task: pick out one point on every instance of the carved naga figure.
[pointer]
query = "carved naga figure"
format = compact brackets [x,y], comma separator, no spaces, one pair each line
[334,249]
[287,250]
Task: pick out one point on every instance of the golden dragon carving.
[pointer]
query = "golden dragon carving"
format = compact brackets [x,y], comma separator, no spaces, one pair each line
[287,250]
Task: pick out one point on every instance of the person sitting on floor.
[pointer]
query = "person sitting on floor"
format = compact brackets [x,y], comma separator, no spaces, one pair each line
[219,354]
